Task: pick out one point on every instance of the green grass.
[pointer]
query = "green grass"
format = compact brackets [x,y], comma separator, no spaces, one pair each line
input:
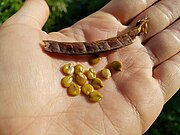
[66,12]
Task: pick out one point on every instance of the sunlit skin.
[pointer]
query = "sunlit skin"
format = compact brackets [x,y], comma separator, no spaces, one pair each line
[32,100]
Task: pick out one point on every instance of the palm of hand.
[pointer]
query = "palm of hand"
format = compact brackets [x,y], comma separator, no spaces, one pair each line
[128,96]
[132,99]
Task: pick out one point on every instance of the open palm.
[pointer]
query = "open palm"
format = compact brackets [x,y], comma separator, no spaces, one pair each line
[32,101]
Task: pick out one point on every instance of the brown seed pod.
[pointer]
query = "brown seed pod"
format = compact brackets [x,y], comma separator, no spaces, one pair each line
[66,81]
[97,83]
[106,73]
[74,89]
[81,78]
[94,47]
[79,68]
[116,65]
[95,96]
[91,74]
[87,88]
[68,69]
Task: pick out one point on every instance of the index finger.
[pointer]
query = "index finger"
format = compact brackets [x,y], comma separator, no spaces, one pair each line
[126,10]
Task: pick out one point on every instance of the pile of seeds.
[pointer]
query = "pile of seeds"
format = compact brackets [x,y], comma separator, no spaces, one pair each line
[77,79]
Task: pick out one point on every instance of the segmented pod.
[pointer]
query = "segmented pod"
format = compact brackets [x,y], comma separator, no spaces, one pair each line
[99,46]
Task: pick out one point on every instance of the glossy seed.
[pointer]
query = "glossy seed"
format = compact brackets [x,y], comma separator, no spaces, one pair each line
[116,65]
[95,96]
[106,73]
[97,83]
[95,60]
[81,78]
[66,81]
[74,89]
[68,69]
[87,88]
[79,68]
[91,74]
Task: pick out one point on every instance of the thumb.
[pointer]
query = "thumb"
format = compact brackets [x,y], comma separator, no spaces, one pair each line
[33,13]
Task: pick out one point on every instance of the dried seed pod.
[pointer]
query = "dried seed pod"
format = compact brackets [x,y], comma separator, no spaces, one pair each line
[99,46]
[106,73]
[116,65]
[91,74]
[66,81]
[68,69]
[95,96]
[97,83]
[74,89]
[81,78]
[95,60]
[87,88]
[79,68]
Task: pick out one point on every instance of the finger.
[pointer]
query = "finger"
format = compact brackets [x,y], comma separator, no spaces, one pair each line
[168,74]
[161,15]
[103,22]
[33,13]
[125,10]
[165,44]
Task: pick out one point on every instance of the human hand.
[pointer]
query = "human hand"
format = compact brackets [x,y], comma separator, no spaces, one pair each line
[32,100]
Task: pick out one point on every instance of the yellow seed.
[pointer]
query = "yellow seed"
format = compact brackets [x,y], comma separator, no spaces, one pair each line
[95,96]
[116,65]
[95,60]
[91,74]
[66,81]
[68,69]
[106,73]
[87,88]
[81,78]
[97,83]
[79,68]
[74,89]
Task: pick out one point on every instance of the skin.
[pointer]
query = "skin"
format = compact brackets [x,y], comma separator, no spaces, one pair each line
[32,101]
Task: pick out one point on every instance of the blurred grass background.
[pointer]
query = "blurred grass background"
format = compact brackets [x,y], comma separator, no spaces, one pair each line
[64,13]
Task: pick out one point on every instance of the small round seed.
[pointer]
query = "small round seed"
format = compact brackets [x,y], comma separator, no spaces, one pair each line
[106,73]
[79,68]
[116,65]
[95,60]
[91,74]
[74,89]
[81,78]
[68,69]
[87,88]
[97,83]
[66,81]
[95,96]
